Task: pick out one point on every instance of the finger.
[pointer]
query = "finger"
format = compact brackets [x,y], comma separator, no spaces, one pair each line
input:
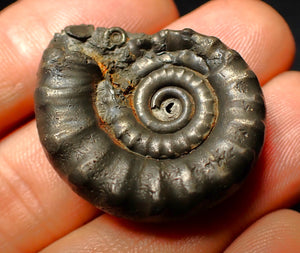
[23,40]
[276,232]
[271,186]
[252,28]
[36,206]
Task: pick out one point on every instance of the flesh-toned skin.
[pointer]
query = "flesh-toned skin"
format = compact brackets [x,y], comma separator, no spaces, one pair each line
[39,211]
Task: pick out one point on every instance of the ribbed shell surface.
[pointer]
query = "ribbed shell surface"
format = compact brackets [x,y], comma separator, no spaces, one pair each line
[148,127]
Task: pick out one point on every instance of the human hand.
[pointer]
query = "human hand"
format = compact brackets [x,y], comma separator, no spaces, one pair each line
[39,210]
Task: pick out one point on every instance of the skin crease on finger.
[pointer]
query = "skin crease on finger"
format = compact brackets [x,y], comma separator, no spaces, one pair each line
[27,27]
[272,185]
[31,166]
[278,232]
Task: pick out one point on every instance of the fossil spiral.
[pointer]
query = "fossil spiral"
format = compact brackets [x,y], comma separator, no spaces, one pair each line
[148,127]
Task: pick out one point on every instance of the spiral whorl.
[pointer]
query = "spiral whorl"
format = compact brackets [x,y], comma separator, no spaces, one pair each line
[148,127]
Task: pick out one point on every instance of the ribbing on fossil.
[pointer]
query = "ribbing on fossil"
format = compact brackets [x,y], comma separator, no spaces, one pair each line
[148,127]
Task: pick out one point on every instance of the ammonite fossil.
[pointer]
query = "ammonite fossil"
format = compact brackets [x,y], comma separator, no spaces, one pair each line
[148,127]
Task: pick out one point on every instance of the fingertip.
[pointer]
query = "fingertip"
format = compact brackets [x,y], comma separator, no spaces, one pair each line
[253,28]
[276,232]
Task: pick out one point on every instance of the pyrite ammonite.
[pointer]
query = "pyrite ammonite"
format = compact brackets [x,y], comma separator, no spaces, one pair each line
[148,127]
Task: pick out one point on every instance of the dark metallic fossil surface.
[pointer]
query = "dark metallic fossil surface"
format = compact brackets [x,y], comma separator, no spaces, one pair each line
[148,127]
